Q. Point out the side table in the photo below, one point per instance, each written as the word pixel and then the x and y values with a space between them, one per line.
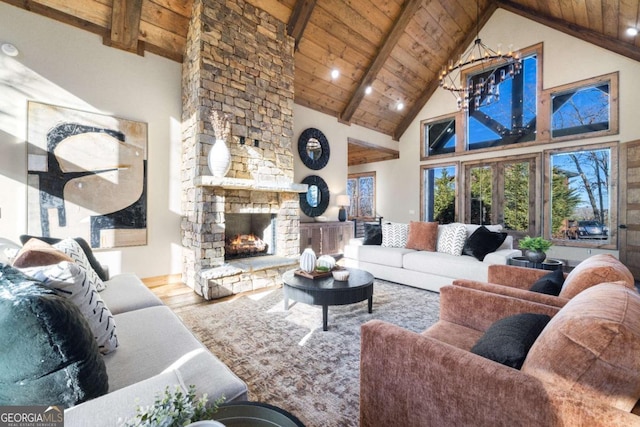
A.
pixel 548 264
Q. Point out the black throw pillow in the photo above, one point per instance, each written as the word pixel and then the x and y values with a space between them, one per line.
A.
pixel 372 234
pixel 482 242
pixel 508 340
pixel 550 284
pixel 49 355
pixel 95 264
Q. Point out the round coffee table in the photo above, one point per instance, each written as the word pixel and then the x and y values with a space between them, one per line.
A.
pixel 327 291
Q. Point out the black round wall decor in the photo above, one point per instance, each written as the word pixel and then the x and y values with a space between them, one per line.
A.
pixel 313 148
pixel 316 200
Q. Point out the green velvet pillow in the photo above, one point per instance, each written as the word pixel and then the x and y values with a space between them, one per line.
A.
pixel 49 355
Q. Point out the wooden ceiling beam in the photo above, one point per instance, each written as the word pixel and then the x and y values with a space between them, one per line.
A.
pixel 606 42
pixel 125 26
pixel 299 18
pixel 409 9
pixel 435 84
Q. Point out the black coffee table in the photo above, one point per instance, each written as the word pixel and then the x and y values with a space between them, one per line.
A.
pixel 326 291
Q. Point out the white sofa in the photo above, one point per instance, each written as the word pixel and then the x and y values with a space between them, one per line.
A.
pixel 156 350
pixel 424 269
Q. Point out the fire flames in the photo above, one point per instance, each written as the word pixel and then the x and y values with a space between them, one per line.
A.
pixel 248 244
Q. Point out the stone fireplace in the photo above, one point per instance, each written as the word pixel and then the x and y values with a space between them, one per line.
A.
pixel 238 60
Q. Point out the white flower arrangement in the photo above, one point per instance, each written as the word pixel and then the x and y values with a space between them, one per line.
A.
pixel 221 125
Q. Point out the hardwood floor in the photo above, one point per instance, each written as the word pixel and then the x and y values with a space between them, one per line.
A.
pixel 175 294
pixel 179 297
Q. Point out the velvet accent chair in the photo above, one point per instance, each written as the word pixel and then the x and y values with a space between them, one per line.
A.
pixel 517 281
pixel 582 370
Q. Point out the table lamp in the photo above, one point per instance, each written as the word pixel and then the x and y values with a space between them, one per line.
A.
pixel 343 201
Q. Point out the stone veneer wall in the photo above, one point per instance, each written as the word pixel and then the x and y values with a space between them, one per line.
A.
pixel 238 60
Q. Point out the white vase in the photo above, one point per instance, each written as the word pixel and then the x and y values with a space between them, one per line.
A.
pixel 308 260
pixel 219 159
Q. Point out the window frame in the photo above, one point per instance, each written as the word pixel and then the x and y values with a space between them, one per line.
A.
pixel 614 108
pixel 424 152
pixel 498 165
pixel 612 194
pixel 536 49
pixel 423 169
pixel 357 176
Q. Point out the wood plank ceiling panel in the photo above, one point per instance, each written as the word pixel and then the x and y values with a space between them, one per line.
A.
pixel 351 34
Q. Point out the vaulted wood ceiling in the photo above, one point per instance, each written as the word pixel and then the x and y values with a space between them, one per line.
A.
pixel 396 46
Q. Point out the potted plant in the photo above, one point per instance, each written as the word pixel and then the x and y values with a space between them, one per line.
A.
pixel 175 409
pixel 534 248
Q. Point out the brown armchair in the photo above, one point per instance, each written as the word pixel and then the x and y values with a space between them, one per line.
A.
pixel 432 379
pixel 516 281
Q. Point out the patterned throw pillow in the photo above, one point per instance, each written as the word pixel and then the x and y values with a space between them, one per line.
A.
pixel 394 235
pixel 75 252
pixel 451 239
pixel 69 280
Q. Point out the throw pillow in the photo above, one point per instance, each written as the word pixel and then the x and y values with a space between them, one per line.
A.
pixel 508 340
pixel 482 242
pixel 35 253
pixel 422 236
pixel 95 264
pixel 394 235
pixel 451 239
pixel 69 280
pixel 549 284
pixel 49 355
pixel 75 252
pixel 372 234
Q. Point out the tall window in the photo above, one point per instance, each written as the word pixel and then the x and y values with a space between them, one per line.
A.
pixel 439 194
pixel 361 189
pixel 501 191
pixel 511 117
pixel 581 205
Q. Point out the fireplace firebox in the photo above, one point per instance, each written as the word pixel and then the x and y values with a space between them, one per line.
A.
pixel 249 235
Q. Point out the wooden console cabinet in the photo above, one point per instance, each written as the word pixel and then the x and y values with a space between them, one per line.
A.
pixel 325 238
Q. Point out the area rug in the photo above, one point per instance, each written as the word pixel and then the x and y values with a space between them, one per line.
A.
pixel 286 358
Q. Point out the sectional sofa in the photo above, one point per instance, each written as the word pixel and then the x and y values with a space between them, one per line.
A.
pixel 426 269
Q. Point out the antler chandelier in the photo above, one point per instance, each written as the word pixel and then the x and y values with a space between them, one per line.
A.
pixel 502 66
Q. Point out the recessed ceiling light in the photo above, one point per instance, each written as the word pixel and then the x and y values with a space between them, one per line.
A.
pixel 400 106
pixel 368 90
pixel 631 31
pixel 9 49
pixel 335 73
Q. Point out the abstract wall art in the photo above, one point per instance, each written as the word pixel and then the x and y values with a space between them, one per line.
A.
pixel 87 176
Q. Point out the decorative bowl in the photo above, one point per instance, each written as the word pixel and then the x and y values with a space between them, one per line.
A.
pixel 340 275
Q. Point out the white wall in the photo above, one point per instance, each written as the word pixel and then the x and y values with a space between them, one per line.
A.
pixel 565 59
pixel 335 173
pixel 61 65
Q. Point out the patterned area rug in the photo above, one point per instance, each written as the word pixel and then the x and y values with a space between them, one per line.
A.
pixel 288 361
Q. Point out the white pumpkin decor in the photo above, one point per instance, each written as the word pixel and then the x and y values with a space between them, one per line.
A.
pixel 326 261
pixel 308 260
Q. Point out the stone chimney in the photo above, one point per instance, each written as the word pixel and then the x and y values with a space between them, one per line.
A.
pixel 239 61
